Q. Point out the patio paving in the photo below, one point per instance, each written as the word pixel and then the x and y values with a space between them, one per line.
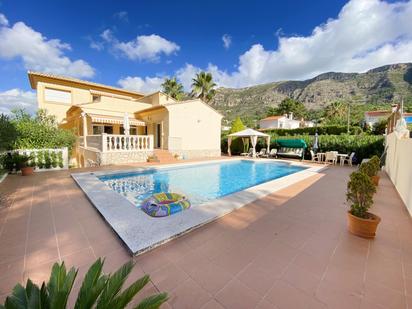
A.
pixel 290 249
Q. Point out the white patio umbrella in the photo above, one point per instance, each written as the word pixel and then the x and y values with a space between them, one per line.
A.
pixel 253 135
pixel 126 124
pixel 316 142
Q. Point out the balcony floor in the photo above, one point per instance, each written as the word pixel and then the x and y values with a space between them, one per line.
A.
pixel 290 249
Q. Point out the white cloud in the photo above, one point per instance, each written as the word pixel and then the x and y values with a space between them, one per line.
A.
pixel 145 85
pixel 144 47
pixel 3 20
pixel 366 34
pixel 122 15
pixel 39 53
pixel 17 98
pixel 227 41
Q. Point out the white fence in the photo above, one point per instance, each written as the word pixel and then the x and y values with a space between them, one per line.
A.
pixel 46 159
pixel 398 165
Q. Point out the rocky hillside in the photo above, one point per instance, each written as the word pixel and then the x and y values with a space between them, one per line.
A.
pixel 384 84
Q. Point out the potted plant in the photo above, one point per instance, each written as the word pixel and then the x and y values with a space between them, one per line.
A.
pixel 359 193
pixel 369 168
pixel 376 162
pixel 23 163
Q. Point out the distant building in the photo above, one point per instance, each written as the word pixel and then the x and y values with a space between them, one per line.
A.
pixel 373 117
pixel 283 122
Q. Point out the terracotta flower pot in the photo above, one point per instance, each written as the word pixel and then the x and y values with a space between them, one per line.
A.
pixel 365 228
pixel 375 180
pixel 27 171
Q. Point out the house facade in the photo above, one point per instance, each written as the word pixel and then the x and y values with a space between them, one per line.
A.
pixel 96 113
pixel 283 122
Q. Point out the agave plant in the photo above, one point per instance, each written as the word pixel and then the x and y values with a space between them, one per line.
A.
pixel 98 290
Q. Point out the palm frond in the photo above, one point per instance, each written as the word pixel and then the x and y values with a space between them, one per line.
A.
pixel 92 286
pixel 152 302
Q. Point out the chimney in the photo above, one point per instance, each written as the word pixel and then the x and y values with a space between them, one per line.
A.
pixel 291 116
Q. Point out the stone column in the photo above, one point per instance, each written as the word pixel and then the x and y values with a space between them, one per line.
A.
pixel 84 129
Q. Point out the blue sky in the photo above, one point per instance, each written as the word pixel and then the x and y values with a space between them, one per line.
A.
pixel 135 44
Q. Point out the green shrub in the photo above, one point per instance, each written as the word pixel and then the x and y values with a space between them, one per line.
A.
pixel 8 133
pixel 365 146
pixel 368 169
pixel 360 192
pixel 98 290
pixel 40 131
pixel 322 130
pixel 376 162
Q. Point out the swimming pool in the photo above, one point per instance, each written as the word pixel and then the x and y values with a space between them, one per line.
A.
pixel 200 183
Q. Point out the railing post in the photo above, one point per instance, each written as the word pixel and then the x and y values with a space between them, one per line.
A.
pixel 104 142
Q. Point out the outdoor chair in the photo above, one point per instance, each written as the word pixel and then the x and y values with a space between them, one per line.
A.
pixel 331 156
pixel 315 157
pixel 273 153
pixel 348 159
pixel 262 153
pixel 247 154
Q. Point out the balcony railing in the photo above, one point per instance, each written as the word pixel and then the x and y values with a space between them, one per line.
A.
pixel 114 142
pixel 118 142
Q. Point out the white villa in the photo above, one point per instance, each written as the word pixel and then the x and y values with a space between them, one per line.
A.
pixel 283 122
pixel 159 125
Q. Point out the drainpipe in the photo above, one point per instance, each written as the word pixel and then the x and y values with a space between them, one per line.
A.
pixel 84 129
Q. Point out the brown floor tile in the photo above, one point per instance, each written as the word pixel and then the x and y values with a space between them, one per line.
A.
pixel 302 279
pixel 211 277
pixel 237 295
pixel 212 304
pixel 188 295
pixel 168 277
pixel 382 296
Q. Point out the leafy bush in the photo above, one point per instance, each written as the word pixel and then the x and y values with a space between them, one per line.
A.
pixel 8 133
pixel 322 130
pixel 360 191
pixel 98 290
pixel 26 132
pixel 368 168
pixel 10 161
pixel 363 145
pixel 376 162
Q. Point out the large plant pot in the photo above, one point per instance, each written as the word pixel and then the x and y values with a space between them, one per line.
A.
pixel 365 228
pixel 375 180
pixel 27 171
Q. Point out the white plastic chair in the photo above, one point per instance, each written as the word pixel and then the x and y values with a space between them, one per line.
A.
pixel 262 153
pixel 348 159
pixel 315 157
pixel 273 152
pixel 331 156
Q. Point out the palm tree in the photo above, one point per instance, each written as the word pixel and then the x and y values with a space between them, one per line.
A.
pixel 203 86
pixel 173 88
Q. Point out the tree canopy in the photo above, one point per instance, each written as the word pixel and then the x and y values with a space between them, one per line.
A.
pixel 173 88
pixel 23 131
pixel 287 106
pixel 203 86
pixel 237 125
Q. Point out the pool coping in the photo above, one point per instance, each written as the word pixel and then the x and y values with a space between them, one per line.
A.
pixel 138 231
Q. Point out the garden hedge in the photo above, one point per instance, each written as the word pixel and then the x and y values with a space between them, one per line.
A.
pixel 365 146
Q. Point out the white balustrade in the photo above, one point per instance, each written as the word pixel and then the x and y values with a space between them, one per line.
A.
pixel 117 142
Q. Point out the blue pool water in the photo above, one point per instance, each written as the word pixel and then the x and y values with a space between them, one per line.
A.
pixel 200 183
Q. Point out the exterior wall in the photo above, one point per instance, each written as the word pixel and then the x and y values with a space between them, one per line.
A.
pixel 398 166
pixel 196 125
pixel 194 154
pixel 81 95
pixel 158 98
pixel 269 124
pixel 124 157
pixel 154 117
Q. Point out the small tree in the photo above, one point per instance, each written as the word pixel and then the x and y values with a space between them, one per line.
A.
pixel 173 88
pixel 237 143
pixel 360 191
pixel 380 126
pixel 376 163
pixel 368 168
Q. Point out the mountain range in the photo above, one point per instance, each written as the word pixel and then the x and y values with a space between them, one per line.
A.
pixel 385 84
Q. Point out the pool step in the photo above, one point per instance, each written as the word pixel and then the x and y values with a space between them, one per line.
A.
pixel 163 156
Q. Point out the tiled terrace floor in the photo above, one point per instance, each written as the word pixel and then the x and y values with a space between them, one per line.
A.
pixel 288 250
